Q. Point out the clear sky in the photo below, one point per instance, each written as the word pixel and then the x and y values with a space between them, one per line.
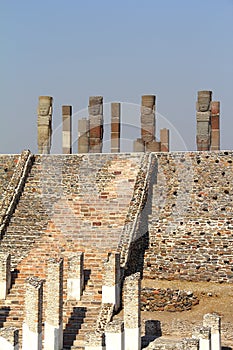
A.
pixel 119 49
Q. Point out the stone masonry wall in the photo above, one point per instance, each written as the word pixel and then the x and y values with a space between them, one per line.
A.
pixel 85 197
pixel 191 226
pixel 14 188
pixel 7 165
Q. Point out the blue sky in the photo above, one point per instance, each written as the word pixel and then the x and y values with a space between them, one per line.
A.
pixel 119 49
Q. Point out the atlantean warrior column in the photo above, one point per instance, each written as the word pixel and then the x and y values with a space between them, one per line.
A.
pixel 96 124
pixel 203 114
pixel 44 123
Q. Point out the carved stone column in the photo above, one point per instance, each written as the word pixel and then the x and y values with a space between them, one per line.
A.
pixel 83 135
pixel 203 114
pixel 44 124
pixel 96 124
pixel 66 129
pixel 115 126
pixel 215 126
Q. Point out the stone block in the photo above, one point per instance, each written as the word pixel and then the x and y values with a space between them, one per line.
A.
pixel 139 145
pixel 5 274
pixel 54 305
pixel 215 108
pixel 32 325
pixel 215 122
pixel 153 146
pixel 132 315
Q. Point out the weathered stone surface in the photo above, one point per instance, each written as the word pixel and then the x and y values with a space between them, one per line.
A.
pixel 83 135
pixel 153 146
pixel 96 124
pixel 191 224
pixel 215 126
pixel 115 126
pixel 148 118
pixel 167 300
pixel 139 145
pixel 164 139
pixel 66 129
pixel 203 116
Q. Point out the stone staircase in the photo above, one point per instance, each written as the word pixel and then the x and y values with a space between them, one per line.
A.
pixel 69 204
pixel 28 221
pixel 78 317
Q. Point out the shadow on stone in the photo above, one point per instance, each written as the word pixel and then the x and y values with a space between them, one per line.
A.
pixel 87 274
pixel 4 312
pixel 73 326
pixel 139 246
pixel 14 275
pixel 152 331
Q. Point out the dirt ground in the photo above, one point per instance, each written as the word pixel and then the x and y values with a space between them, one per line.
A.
pixel 213 297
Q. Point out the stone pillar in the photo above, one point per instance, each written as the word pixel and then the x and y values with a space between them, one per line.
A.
pixel 115 126
pixel 54 306
pixel 213 321
pixel 153 146
pixel 190 344
pixel 9 338
pixel 148 118
pixel 111 280
pixel 32 325
pixel 139 145
pixel 203 334
pixel 132 315
pixel 96 124
pixel 66 129
pixel 114 335
pixel 83 135
pixel 5 274
pixel 164 139
pixel 215 126
pixel 75 280
pixel 203 106
pixel 44 124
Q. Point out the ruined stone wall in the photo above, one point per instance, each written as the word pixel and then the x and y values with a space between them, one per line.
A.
pixel 191 226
